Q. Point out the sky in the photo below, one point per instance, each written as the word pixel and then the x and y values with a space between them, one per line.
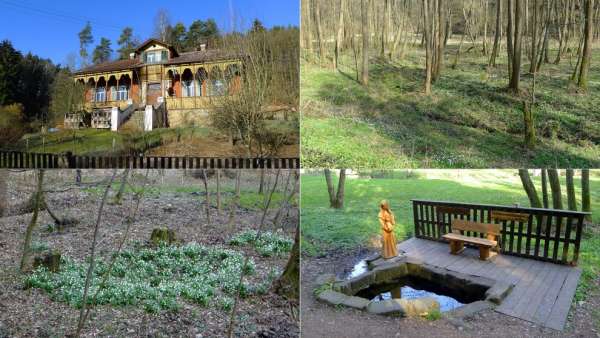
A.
pixel 49 28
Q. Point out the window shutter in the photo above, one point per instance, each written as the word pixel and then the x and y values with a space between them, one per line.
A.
pixel 164 56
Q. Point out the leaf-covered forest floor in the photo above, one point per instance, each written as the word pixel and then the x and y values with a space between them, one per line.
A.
pixel 469 121
pixel 172 199
pixel 333 241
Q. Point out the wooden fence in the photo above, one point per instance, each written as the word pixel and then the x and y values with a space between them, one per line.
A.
pixel 22 160
pixel 543 234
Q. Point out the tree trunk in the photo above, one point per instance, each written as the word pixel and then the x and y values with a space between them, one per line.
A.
pixel 207 200
pixel 582 82
pixel 534 27
pixel 119 195
pixel 534 199
pixel 218 191
pixel 90 270
pixel 262 181
pixel 585 193
pixel 428 47
pixel 516 63
pixel 320 37
pixel 288 284
pixel 308 24
pixel 439 45
pixel 510 36
pixel 571 200
pixel 236 200
pixel 33 222
pixel 553 177
pixel 330 187
pixel 339 36
pixel 364 9
pixel 339 199
pixel 497 34
pixel 545 188
pixel 529 125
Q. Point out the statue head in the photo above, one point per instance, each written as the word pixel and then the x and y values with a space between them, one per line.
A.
pixel 384 205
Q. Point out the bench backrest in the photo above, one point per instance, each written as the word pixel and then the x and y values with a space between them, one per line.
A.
pixel 490 229
pixel 509 216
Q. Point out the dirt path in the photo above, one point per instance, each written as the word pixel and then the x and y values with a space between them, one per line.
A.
pixel 30 313
pixel 320 320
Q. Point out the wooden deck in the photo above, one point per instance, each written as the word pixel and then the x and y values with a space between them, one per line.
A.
pixel 543 291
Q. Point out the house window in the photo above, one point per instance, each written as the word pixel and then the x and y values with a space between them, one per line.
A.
pixel 100 94
pixel 150 57
pixel 122 93
pixel 188 88
pixel 217 87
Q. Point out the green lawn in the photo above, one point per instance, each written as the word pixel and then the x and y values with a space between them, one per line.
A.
pixel 91 142
pixel 470 121
pixel 325 229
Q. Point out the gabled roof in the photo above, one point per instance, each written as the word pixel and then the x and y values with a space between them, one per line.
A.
pixel 110 66
pixel 153 41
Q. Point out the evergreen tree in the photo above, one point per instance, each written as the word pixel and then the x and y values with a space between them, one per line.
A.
pixel 126 43
pixel 257 26
pixel 85 39
pixel 102 51
pixel 10 62
pixel 177 36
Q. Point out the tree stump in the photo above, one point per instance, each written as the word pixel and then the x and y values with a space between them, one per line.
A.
pixel 49 260
pixel 162 235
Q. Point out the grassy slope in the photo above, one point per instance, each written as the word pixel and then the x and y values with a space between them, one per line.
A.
pixel 326 229
pixel 100 141
pixel 469 121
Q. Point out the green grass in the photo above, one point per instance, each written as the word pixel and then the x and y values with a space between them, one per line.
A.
pixel 470 121
pixel 155 279
pixel 91 142
pixel 327 230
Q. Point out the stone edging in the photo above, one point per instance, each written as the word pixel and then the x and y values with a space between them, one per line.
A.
pixel 342 292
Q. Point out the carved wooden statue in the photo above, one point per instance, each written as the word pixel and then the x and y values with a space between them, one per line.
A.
pixel 386 218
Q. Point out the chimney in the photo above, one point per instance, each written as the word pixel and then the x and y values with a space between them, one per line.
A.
pixel 132 56
pixel 203 46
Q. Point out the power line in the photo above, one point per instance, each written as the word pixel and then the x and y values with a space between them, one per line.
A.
pixel 59 16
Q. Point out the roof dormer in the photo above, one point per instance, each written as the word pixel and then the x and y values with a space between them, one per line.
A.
pixel 154 51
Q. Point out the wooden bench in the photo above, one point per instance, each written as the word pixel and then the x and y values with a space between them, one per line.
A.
pixel 457 240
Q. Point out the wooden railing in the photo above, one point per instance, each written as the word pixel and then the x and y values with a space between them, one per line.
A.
pixel 21 160
pixel 543 234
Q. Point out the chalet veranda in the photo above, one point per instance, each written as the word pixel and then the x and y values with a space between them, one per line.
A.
pixel 156 87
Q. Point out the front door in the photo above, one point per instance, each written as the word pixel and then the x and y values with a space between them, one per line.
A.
pixel 152 93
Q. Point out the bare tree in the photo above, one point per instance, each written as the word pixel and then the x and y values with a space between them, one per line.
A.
pixel 364 10
pixel 585 193
pixel 582 81
pixel 207 199
pixel 92 258
pixel 336 199
pixel 515 74
pixel 571 200
pixel 162 21
pixel 38 197
pixel 267 204
pixel 534 199
pixel 340 35
pixel 236 200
